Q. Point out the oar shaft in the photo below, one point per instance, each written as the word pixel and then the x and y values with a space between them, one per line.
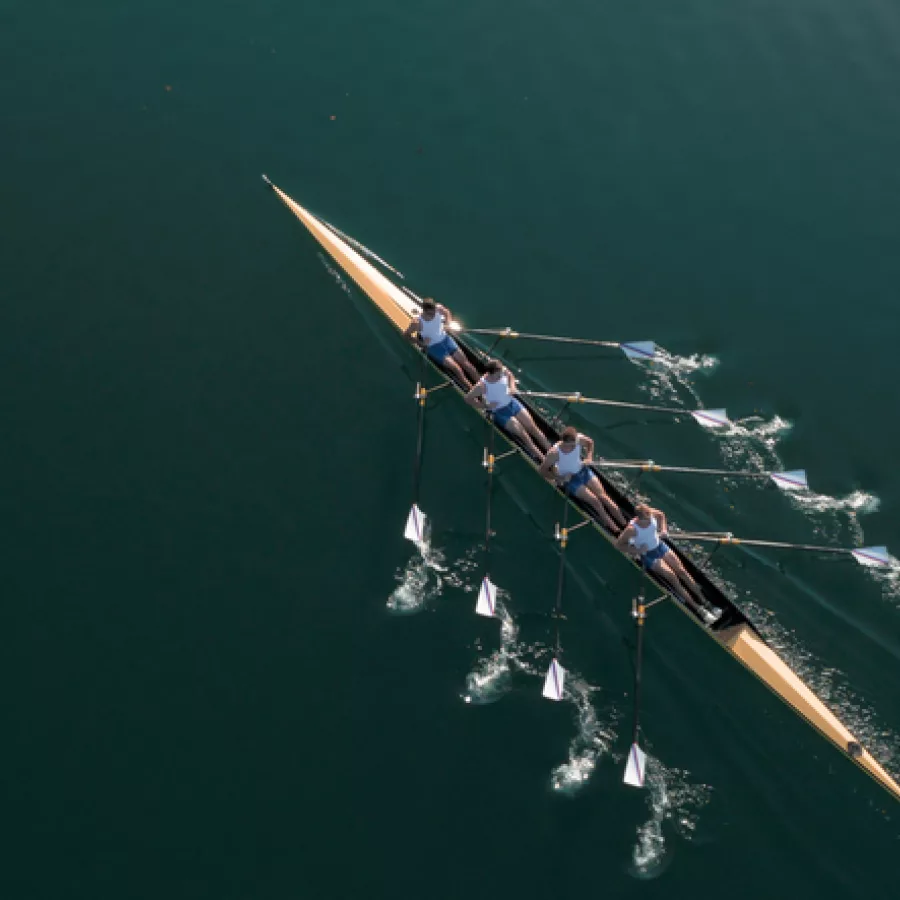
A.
pixel 577 398
pixel 640 618
pixel 558 339
pixel 730 540
pixel 561 577
pixel 650 466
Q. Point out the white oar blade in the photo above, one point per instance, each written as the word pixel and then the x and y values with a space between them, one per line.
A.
pixel 639 350
pixel 711 418
pixel 636 767
pixel 487 598
pixel 872 556
pixel 555 682
pixel 415 525
pixel 791 481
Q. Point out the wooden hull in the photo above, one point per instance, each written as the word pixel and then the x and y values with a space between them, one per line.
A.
pixel 733 632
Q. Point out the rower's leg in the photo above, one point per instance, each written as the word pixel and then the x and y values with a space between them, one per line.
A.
pixel 667 575
pixel 456 371
pixel 529 424
pixel 676 565
pixel 515 428
pixel 595 486
pixel 594 503
pixel 463 361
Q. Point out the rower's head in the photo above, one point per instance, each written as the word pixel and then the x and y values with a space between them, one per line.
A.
pixel 493 367
pixel 569 435
pixel 642 512
pixel 429 308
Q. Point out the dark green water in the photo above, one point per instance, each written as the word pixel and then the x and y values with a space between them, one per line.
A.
pixel 207 448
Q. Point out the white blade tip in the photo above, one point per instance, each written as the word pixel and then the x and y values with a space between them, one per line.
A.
pixel 791 481
pixel 415 525
pixel 636 767
pixel 872 556
pixel 711 418
pixel 487 598
pixel 555 682
pixel 639 349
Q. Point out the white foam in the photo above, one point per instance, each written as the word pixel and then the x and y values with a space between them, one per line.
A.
pixel 421 581
pixel 673 800
pixel 593 739
pixel 491 676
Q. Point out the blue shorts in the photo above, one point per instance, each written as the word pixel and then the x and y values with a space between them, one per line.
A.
pixel 578 480
pixel 505 413
pixel 442 349
pixel 651 556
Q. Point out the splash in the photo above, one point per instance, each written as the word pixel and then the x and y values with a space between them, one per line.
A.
pixel 672 799
pixel 593 739
pixel 669 375
pixel 420 582
pixel 491 677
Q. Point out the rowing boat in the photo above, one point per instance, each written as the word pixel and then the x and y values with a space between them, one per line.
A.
pixel 733 631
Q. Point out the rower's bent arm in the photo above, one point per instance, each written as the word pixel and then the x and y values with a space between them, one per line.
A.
pixel 549 462
pixel 623 539
pixel 475 394
pixel 443 311
pixel 412 330
pixel 588 444
pixel 513 386
pixel 661 520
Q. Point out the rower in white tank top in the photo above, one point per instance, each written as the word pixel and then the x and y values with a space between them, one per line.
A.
pixel 569 462
pixel 496 393
pixel 646 537
pixel 432 330
pixel 567 465
pixel 429 331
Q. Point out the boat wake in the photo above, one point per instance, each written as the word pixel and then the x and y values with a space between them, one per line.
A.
pixel 672 799
pixel 593 739
pixel 831 685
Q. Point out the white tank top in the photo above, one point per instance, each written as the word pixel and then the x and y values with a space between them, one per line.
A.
pixel 569 463
pixel 432 330
pixel 497 392
pixel 646 539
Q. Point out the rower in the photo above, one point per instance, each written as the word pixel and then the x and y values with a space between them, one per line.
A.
pixel 494 392
pixel 429 329
pixel 568 463
pixel 645 538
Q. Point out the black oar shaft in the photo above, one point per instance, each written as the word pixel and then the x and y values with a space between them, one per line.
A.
pixel 640 617
pixel 490 490
pixel 421 400
pixel 561 576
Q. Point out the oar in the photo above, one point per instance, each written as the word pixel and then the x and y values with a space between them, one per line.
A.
pixel 794 480
pixel 645 350
pixel 486 605
pixel 708 418
pixel 636 765
pixel 554 682
pixel 415 522
pixel 865 556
